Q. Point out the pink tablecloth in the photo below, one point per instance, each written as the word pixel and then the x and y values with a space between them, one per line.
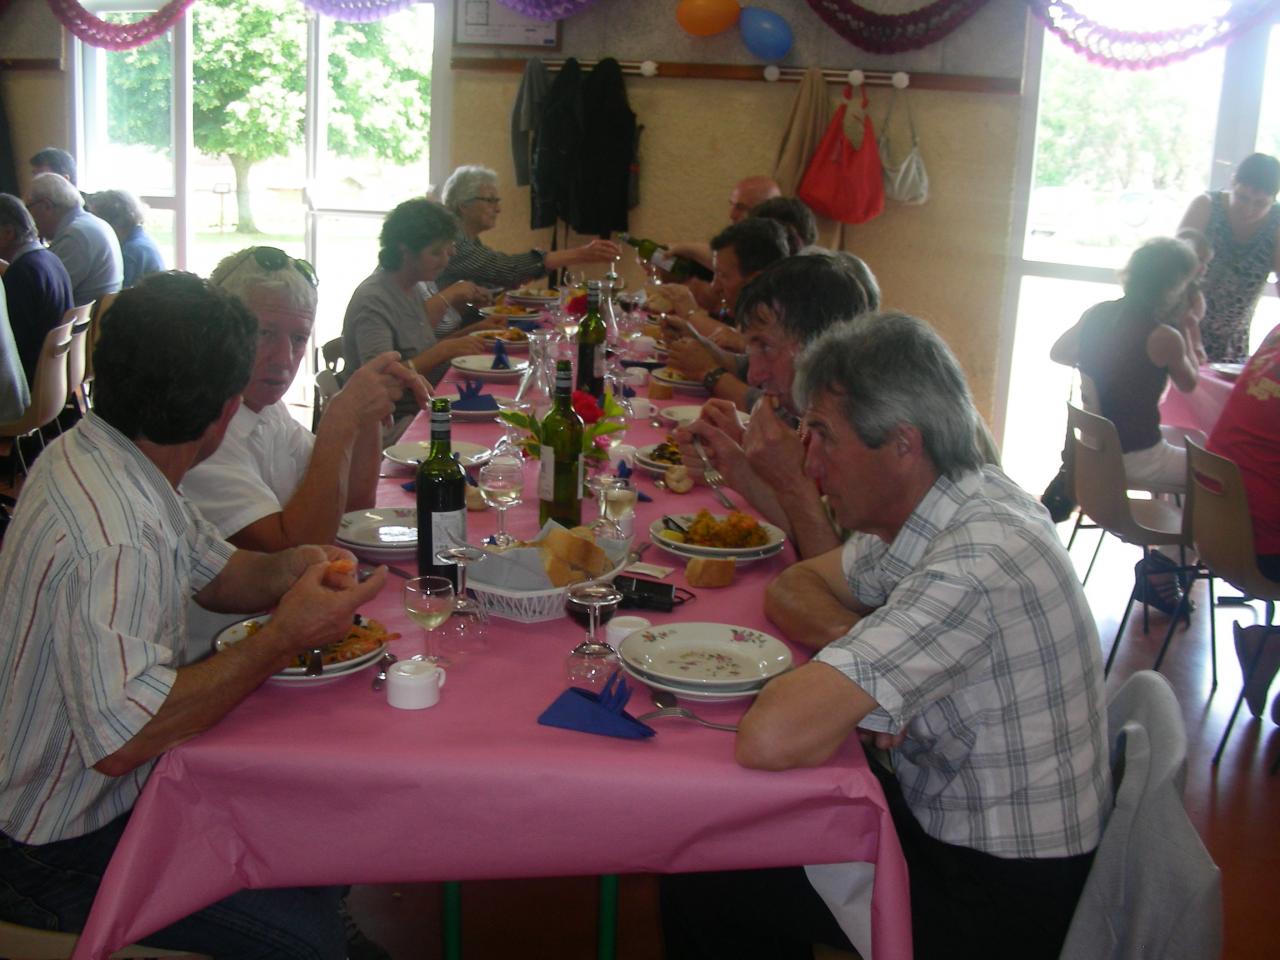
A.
pixel 329 784
pixel 1199 409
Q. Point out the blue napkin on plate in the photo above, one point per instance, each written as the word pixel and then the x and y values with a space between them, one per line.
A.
pixel 500 360
pixel 625 473
pixel 601 713
pixel 471 396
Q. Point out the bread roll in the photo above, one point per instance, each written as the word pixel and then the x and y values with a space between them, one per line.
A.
pixel 660 391
pixel 568 556
pixel 709 572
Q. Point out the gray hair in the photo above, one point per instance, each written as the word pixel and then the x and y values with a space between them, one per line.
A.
pixel 120 208
pixel 891 369
pixel 14 213
pixel 242 276
pixel 465 184
pixel 57 190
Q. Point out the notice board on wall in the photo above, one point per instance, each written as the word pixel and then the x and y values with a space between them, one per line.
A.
pixel 488 23
pixel 30 35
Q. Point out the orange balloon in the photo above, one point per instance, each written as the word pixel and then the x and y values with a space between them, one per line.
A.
pixel 702 18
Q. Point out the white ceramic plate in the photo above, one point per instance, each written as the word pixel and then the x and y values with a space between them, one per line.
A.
pixel 710 656
pixel 386 528
pixel 513 346
pixel 473 416
pixel 774 543
pixel 523 314
pixel 703 696
pixel 676 381
pixel 644 459
pixel 480 366
pixel 238 631
pixel 412 452
pixel 533 300
pixel 1228 371
pixel 681 414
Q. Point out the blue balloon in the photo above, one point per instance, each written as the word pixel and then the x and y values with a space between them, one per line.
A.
pixel 765 33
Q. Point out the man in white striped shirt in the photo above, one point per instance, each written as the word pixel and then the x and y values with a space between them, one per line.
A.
pixel 99 677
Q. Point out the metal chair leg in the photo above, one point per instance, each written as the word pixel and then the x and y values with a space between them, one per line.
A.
pixel 1248 675
pixel 1115 644
pixel 1183 604
pixel 1094 559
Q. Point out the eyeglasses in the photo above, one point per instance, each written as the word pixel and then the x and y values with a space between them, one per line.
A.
pixel 272 259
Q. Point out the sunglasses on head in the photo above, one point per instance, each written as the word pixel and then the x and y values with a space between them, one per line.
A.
pixel 272 259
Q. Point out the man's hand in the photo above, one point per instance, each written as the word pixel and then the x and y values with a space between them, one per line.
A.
pixel 723 415
pixel 314 613
pixel 727 338
pixel 462 346
pixel 371 394
pixel 725 455
pixel 464 293
pixel 597 251
pixel 691 358
pixel 773 449
pixel 679 298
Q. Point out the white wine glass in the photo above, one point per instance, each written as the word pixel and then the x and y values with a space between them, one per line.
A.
pixel 604 526
pixel 502 486
pixel 429 603
pixel 591 603
pixel 468 633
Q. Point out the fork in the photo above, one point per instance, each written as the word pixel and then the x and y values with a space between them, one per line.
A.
pixel 713 476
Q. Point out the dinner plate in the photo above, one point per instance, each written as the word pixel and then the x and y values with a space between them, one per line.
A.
pixel 684 693
pixel 386 528
pixel 533 300
pixel 508 314
pixel 1228 371
pixel 480 365
pixel 721 657
pixel 238 631
pixel 413 452
pixel 644 458
pixel 774 543
pixel 676 381
pixel 490 337
pixel 473 416
pixel 682 413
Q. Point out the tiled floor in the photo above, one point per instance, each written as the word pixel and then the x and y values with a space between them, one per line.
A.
pixel 1236 809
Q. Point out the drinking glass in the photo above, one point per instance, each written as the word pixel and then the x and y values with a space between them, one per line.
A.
pixel 468 631
pixel 591 603
pixel 601 483
pixel 429 603
pixel 502 486
pixel 508 445
pixel 620 504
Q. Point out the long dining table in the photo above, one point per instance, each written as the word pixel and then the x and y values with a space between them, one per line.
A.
pixel 327 784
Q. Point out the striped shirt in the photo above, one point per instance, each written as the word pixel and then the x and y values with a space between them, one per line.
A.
pixel 97 568
pixel 473 261
pixel 983 647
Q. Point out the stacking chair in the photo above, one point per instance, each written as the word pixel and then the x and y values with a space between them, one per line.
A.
pixel 100 308
pixel 28 943
pixel 77 355
pixel 1153 889
pixel 326 389
pixel 48 390
pixel 1097 476
pixel 332 354
pixel 1222 531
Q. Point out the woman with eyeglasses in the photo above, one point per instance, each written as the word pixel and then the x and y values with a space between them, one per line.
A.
pixel 390 308
pixel 271 484
pixel 471 193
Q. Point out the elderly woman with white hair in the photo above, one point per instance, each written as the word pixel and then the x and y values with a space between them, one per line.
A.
pixel 271 484
pixel 126 214
pixel 471 192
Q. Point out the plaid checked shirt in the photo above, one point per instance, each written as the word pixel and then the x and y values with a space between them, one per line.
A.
pixel 982 645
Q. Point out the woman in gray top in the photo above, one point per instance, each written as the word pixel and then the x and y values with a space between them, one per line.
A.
pixel 388 309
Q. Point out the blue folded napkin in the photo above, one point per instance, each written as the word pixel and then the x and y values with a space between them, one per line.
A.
pixel 500 360
pixel 601 713
pixel 625 472
pixel 471 396
pixel 628 392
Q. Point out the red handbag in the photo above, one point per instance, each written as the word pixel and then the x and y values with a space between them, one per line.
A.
pixel 844 182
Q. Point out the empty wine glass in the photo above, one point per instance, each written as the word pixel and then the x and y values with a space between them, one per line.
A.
pixel 508 445
pixel 502 486
pixel 591 603
pixel 429 603
pixel 469 618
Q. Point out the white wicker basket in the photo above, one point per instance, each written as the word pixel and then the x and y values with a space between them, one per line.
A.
pixel 527 606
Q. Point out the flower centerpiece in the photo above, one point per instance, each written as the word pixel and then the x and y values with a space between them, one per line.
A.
pixel 599 421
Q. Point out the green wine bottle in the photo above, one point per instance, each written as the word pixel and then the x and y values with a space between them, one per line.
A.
pixel 560 470
pixel 676 267
pixel 442 502
pixel 592 335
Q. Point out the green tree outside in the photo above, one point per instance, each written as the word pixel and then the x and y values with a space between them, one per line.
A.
pixel 249 76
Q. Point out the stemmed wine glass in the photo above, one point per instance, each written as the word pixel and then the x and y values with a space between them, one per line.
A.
pixel 429 603
pixel 591 603
pixel 502 486
pixel 604 525
pixel 508 446
pixel 469 616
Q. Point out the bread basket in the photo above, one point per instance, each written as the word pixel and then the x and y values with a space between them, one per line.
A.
pixel 528 606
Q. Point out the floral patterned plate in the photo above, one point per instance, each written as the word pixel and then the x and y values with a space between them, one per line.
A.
pixel 702 695
pixel 705 655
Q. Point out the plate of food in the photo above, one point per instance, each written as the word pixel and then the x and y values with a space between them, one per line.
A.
pixel 364 643
pixel 480 366
pixel 412 452
pixel 532 297
pixel 738 536
pixel 676 380
pixel 509 312
pixel 657 457
pixel 513 338
pixel 705 655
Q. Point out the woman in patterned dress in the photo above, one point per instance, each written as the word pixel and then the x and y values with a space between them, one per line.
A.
pixel 1243 226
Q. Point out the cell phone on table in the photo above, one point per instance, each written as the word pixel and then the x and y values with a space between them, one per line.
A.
pixel 641 594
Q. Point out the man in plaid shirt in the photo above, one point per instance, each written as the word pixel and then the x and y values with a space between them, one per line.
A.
pixel 951 630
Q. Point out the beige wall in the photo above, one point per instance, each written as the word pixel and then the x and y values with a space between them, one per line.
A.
pixel 944 261
pixel 35 100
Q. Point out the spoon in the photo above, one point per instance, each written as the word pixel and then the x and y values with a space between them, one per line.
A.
pixel 384 665
pixel 667 707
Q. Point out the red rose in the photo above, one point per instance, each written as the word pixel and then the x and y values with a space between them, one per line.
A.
pixel 586 406
pixel 577 306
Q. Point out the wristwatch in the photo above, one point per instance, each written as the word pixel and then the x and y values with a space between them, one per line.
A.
pixel 712 378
